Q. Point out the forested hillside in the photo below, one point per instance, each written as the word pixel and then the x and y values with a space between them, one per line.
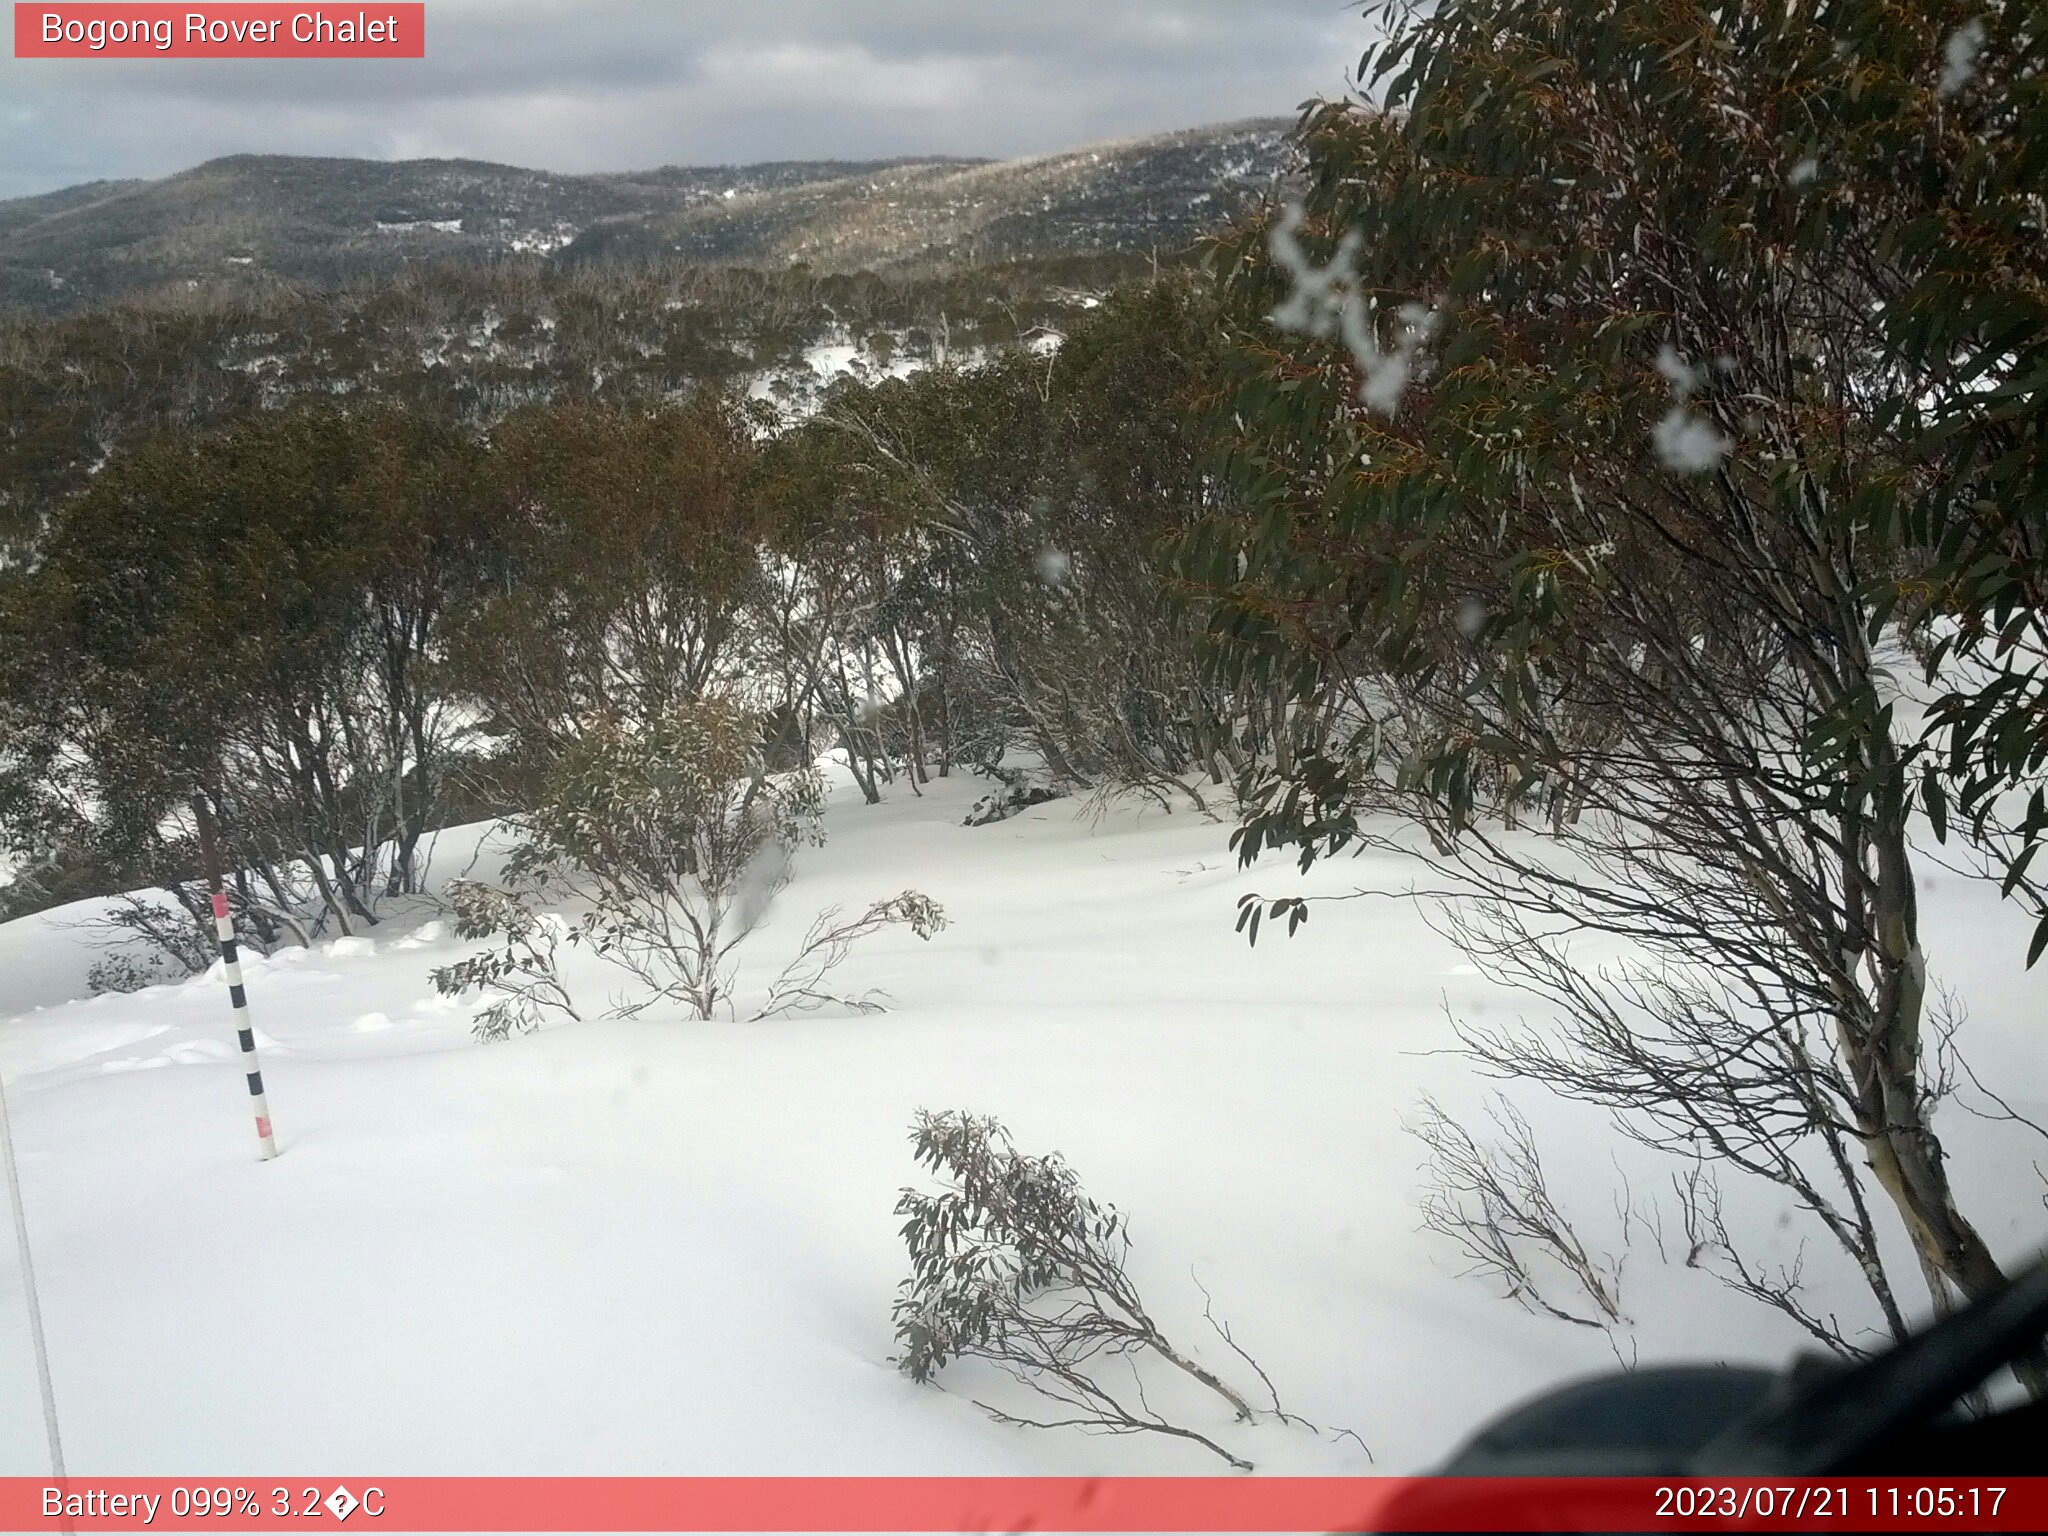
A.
pixel 251 227
pixel 470 344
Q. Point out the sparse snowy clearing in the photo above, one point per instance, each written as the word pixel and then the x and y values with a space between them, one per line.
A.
pixel 799 385
pixel 662 1247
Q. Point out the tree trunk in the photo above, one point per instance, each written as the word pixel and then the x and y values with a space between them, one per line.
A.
pixel 1905 1154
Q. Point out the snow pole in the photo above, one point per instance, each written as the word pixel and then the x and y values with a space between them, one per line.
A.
pixel 28 1291
pixel 231 963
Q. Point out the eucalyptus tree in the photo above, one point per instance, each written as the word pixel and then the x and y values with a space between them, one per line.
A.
pixel 252 616
pixel 1580 455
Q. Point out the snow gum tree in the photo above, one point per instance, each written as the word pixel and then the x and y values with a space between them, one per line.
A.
pixel 979 546
pixel 677 840
pixel 251 616
pixel 1583 436
pixel 1973 313
pixel 626 567
pixel 674 840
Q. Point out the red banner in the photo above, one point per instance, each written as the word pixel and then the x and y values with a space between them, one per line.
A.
pixel 1111 1504
pixel 216 31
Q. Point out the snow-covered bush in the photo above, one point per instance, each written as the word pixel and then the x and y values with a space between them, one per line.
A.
pixel 150 941
pixel 131 971
pixel 673 839
pixel 801 986
pixel 1021 790
pixel 519 968
pixel 1014 1263
pixel 1493 1200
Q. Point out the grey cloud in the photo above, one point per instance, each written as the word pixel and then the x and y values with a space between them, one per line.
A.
pixel 584 85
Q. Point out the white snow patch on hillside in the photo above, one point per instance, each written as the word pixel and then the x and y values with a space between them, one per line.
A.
pixel 798 388
pixel 664 1247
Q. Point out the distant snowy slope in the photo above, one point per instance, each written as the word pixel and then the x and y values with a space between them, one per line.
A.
pixel 251 225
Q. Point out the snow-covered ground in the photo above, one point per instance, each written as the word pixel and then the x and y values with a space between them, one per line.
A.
pixel 668 1247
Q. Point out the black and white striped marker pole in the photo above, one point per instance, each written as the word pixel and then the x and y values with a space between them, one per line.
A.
pixel 239 997
pixel 231 959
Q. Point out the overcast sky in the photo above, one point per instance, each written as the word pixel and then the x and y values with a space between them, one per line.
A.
pixel 589 85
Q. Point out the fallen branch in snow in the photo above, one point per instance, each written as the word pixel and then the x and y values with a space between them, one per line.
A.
pixel 1102 1414
pixel 1494 1201
pixel 1272 1393
pixel 1223 1332
pixel 1782 1288
pixel 1016 1265
pixel 800 987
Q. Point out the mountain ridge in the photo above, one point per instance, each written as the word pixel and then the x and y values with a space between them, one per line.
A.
pixel 245 224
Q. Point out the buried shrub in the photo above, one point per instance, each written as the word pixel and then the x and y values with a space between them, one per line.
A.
pixel 150 942
pixel 1014 1263
pixel 674 841
pixel 801 986
pixel 519 969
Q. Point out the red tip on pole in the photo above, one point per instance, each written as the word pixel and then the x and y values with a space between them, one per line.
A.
pixel 220 903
